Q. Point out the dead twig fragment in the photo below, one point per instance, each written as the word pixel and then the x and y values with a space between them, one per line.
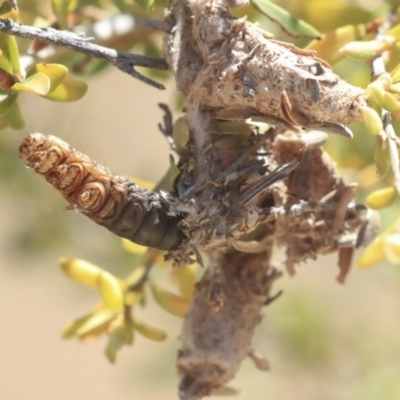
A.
pixel 125 62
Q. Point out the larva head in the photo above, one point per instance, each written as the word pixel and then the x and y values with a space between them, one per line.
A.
pixel 42 152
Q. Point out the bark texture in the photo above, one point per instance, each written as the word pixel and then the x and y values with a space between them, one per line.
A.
pixel 226 69
pixel 224 63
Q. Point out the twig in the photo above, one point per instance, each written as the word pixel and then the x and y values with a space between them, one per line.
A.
pixel 126 62
pixel 167 128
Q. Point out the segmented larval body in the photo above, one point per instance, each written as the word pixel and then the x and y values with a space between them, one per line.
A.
pixel 108 199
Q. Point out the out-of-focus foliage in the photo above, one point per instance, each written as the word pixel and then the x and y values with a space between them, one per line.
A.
pixel 42 70
pixel 288 22
pixel 114 316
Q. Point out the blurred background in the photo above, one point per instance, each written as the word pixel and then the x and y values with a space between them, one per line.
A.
pixel 324 341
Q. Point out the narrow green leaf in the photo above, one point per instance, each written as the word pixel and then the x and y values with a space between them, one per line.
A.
pixel 288 22
pixel 382 157
pixel 81 271
pixel 133 248
pixel 149 331
pixel 95 321
pixel 181 136
pixel 70 89
pixel 111 353
pixel 381 198
pixel 9 60
pixel 71 329
pixel 372 120
pixel 395 74
pixel 394 32
pixel 169 301
pixel 37 84
pixel 229 127
pixel 111 291
pixel 363 51
pixel 60 10
pixel 328 48
pixel 120 334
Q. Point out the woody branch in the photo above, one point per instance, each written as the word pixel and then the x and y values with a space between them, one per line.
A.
pixel 126 62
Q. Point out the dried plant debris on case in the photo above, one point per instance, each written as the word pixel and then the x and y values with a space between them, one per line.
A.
pixel 222 64
pixel 309 211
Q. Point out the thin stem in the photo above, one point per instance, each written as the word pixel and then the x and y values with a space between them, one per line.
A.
pixel 125 62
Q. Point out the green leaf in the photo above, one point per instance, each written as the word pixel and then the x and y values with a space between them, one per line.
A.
pixel 168 180
pixel 71 329
pixel 394 32
pixel 382 157
pixel 12 118
pixel 181 136
pixel 61 8
pixel 111 291
pixel 362 51
pixel 377 93
pixel 94 322
pixel 381 198
pixel 374 252
pixel 169 301
pixel 289 23
pixel 81 271
pixel 147 5
pixel 111 353
pixel 37 84
pixel 148 331
pixel 328 47
pixel 372 121
pixel 121 333
pixel 6 101
pixel 70 89
pixel 395 74
pixel 5 8
pixel 229 127
pixel 133 248
pixel 9 60
pixel 55 72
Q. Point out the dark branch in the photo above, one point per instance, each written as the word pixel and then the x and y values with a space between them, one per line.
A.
pixel 126 62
